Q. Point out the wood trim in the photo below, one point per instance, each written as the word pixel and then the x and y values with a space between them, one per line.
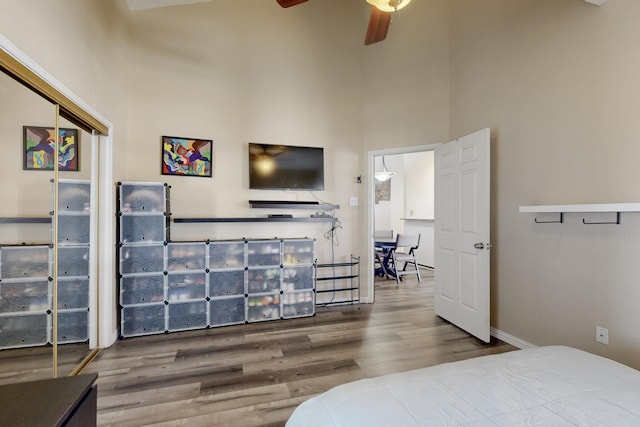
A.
pixel 68 108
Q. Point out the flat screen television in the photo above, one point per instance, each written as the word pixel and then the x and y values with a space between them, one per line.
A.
pixel 285 167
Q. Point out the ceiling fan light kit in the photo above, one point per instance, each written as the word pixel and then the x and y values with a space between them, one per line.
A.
pixel 379 19
pixel 389 5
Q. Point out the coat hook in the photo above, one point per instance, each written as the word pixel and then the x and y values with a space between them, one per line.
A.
pixel 551 222
pixel 617 221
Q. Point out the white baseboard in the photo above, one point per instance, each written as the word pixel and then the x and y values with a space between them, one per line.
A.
pixel 510 339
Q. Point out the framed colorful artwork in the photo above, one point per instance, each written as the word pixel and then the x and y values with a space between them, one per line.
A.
pixel 187 156
pixel 38 148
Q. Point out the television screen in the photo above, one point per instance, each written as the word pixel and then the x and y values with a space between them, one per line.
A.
pixel 285 167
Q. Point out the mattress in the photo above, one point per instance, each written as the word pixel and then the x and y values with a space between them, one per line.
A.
pixel 542 386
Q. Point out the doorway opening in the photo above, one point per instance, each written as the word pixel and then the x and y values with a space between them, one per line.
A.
pixel 404 203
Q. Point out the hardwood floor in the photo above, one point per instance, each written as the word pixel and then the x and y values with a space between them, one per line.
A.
pixel 36 363
pixel 256 374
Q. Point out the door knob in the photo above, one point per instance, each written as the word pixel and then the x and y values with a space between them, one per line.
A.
pixel 479 245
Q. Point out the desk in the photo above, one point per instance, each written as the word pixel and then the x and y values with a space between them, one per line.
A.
pixel 65 401
pixel 386 247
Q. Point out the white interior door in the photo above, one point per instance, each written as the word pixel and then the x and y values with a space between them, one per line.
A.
pixel 462 217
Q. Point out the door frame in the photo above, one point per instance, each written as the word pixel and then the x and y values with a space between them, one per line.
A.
pixel 371 189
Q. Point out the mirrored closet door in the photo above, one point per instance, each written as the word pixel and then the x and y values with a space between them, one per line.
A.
pixel 48 232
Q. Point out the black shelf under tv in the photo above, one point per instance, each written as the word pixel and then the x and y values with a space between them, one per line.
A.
pixel 266 204
pixel 254 219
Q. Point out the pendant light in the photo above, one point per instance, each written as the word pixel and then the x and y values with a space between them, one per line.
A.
pixel 389 5
pixel 385 174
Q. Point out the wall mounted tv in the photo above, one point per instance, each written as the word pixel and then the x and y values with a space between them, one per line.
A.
pixel 285 167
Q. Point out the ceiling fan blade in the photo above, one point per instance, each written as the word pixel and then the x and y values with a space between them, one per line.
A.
pixel 289 3
pixel 378 26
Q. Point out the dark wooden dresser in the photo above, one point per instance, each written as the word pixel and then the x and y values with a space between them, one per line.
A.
pixel 66 401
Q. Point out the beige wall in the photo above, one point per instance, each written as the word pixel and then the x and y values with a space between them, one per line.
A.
pixel 236 72
pixel 556 80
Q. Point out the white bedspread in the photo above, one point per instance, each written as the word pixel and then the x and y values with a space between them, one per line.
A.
pixel 542 386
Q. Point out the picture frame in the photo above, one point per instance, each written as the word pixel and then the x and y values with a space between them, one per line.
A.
pixel 38 143
pixel 383 191
pixel 187 156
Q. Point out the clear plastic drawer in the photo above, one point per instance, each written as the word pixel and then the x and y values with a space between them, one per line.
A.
pixel 26 330
pixel 227 311
pixel 264 307
pixel 298 304
pixel 24 261
pixel 188 286
pixel 141 259
pixel 296 252
pixel 73 326
pixel 143 228
pixel 24 296
pixel 226 255
pixel 226 283
pixel 297 278
pixel 73 196
pixel 143 320
pixel 73 293
pixel 265 252
pixel 142 289
pixel 261 280
pixel 73 229
pixel 186 256
pixel 73 261
pixel 187 315
pixel 142 197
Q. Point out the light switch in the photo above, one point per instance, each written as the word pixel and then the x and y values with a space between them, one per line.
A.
pixel 353 201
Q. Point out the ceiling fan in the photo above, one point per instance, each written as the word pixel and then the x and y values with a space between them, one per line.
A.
pixel 379 19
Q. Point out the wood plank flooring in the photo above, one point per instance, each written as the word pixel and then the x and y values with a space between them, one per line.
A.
pixel 36 363
pixel 255 375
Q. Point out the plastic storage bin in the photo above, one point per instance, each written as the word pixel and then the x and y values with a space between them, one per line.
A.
pixel 226 283
pixel 143 320
pixel 143 228
pixel 227 255
pixel 296 252
pixel 142 289
pixel 73 195
pixel 187 315
pixel 298 304
pixel 189 286
pixel 297 278
pixel 21 296
pixel 73 229
pixel 261 280
pixel 18 262
pixel 263 307
pixel 263 252
pixel 186 256
pixel 73 293
pixel 73 326
pixel 227 311
pixel 25 330
pixel 141 259
pixel 142 197
pixel 73 261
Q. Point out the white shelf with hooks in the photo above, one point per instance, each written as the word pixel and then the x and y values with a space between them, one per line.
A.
pixel 596 207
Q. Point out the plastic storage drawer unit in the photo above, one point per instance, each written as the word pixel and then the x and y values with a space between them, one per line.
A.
pixel 143 320
pixel 227 311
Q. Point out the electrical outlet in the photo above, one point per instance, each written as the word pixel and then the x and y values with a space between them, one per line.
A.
pixel 353 201
pixel 602 335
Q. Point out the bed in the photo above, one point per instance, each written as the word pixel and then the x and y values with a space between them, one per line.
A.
pixel 542 386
